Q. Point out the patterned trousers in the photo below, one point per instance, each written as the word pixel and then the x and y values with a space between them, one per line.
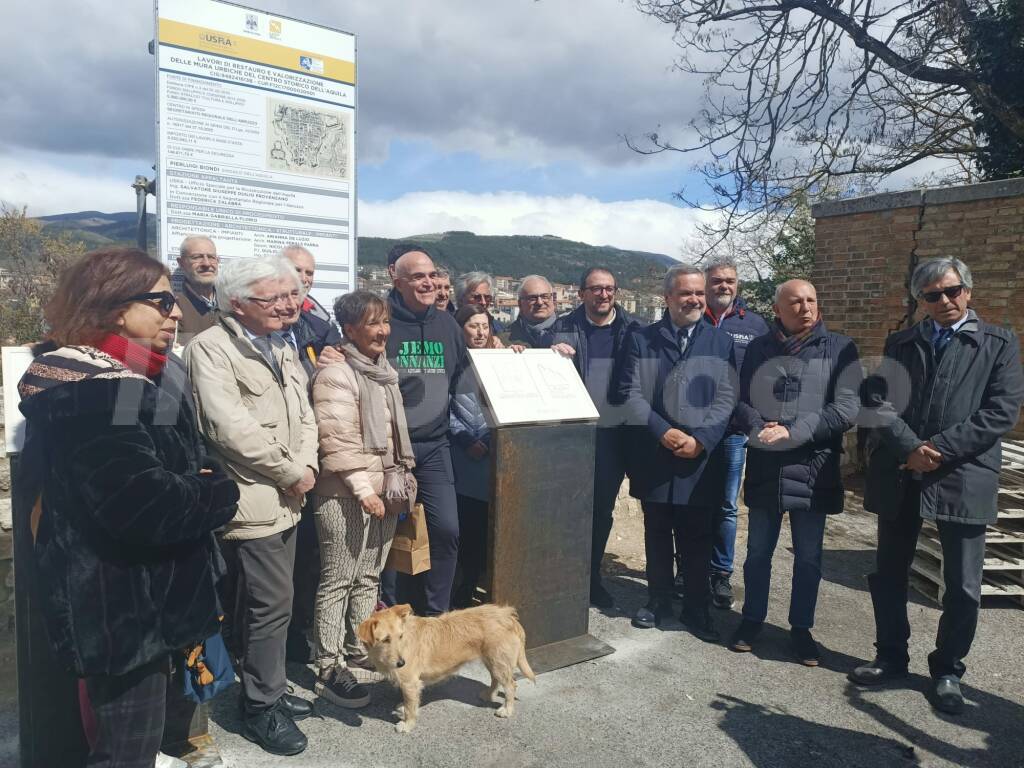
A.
pixel 353 549
pixel 129 712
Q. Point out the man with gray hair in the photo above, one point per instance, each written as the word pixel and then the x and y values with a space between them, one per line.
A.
pixel 536 312
pixel 477 288
pixel 727 310
pixel 948 389
pixel 677 385
pixel 253 409
pixel 197 297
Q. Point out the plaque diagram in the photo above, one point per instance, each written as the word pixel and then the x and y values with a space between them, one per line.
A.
pixel 313 142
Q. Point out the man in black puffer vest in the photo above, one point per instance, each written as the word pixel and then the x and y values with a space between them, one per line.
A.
pixel 798 395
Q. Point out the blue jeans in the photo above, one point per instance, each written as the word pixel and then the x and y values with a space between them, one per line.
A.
pixel 735 447
pixel 808 529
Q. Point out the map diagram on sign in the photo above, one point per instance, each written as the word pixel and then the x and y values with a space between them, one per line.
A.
pixel 310 141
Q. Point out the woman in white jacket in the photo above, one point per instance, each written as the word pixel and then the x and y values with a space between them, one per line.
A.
pixel 365 457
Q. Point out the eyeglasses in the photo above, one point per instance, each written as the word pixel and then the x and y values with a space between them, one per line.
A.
pixel 164 301
pixel 599 289
pixel 950 293
pixel 272 301
pixel 196 257
pixel 479 298
pixel 539 298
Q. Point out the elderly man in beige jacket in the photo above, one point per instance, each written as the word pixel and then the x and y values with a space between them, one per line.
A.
pixel 254 411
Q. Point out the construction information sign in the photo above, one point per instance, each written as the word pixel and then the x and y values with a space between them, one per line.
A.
pixel 256 135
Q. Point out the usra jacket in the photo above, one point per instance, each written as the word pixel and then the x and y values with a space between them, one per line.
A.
pixel 125 558
pixel 740 322
pixel 662 387
pixel 814 394
pixel 963 403
pixel 257 421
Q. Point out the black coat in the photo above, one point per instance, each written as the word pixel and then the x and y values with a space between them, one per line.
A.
pixel 693 391
pixel 571 329
pixel 973 400
pixel 520 332
pixel 126 560
pixel 312 334
pixel 814 394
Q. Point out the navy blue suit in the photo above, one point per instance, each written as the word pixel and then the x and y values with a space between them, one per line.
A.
pixel 664 387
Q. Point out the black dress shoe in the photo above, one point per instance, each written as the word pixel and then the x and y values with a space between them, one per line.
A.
pixel 948 696
pixel 743 640
pixel 274 731
pixel 297 708
pixel 700 624
pixel 601 597
pixel 877 672
pixel 650 615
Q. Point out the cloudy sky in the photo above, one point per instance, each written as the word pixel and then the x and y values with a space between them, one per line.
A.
pixel 500 118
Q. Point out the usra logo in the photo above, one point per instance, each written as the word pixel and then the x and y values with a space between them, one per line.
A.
pixel 212 39
pixel 275 29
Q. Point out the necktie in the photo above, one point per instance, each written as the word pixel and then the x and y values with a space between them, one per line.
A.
pixel 266 347
pixel 684 339
pixel 942 341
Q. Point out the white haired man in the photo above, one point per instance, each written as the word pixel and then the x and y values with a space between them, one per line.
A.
pixel 254 412
pixel 536 312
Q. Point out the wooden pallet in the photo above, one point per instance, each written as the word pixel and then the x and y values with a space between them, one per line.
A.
pixel 1003 571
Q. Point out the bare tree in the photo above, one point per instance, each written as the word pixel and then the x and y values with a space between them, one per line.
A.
pixel 804 96
pixel 31 260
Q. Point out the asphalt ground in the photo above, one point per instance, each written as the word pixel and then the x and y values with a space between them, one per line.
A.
pixel 665 698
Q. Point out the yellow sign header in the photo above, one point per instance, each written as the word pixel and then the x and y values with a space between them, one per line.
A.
pixel 258 51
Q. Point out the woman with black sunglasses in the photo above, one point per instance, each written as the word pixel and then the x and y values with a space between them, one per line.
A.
pixel 127 501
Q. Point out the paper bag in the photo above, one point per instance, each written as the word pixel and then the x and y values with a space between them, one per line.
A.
pixel 410 549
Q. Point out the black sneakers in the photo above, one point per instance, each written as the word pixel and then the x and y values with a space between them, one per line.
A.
pixel 721 591
pixel 339 686
pixel 651 615
pixel 804 647
pixel 274 730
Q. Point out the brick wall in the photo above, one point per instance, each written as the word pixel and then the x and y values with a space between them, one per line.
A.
pixel 865 248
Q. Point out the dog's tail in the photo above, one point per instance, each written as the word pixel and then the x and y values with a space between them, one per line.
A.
pixel 521 662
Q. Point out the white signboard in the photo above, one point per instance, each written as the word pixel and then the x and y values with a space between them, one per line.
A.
pixel 256 136
pixel 537 385
pixel 15 361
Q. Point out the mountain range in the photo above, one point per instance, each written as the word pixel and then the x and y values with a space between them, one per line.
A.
pixel 559 259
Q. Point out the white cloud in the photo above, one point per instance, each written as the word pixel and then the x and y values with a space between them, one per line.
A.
pixel 48 188
pixel 643 225
pixel 535 82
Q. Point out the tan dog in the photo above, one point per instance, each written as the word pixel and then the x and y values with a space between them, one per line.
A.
pixel 414 651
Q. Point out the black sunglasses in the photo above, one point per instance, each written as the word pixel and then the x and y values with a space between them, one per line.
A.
pixel 950 293
pixel 165 300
